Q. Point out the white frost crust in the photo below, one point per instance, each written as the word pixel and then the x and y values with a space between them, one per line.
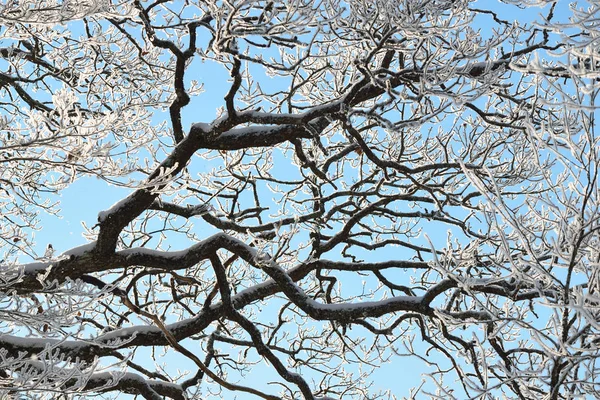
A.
pixel 35 267
pixel 79 250
pixel 102 215
pixel 143 251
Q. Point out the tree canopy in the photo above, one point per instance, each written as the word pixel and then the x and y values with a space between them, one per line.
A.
pixel 315 188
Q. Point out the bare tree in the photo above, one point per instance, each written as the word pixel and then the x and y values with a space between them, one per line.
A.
pixel 379 179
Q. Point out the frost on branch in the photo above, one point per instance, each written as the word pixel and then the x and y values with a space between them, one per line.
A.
pixel 317 191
